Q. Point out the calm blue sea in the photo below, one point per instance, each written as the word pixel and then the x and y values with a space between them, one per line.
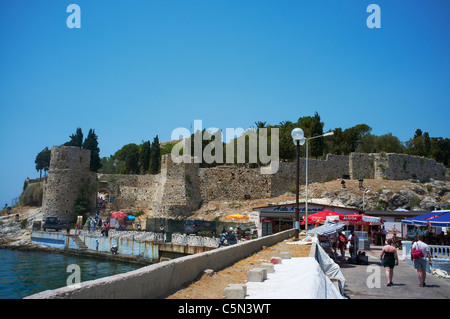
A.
pixel 26 273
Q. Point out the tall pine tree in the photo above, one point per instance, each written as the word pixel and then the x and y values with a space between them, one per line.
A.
pixel 317 145
pixel 91 143
pixel 155 156
pixel 144 157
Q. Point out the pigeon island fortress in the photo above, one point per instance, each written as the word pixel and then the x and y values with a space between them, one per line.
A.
pixel 180 189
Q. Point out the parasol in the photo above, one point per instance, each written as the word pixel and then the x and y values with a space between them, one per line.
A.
pixel 118 215
pixel 360 219
pixel 237 216
pixel 321 217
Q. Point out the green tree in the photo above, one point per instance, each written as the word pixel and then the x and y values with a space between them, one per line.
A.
pixel 343 142
pixel 91 143
pixel 144 157
pixel 84 201
pixel 155 156
pixel 440 150
pixel 76 139
pixel 287 149
pixel 42 161
pixel 260 124
pixel 317 145
pixel 129 154
pixel 390 144
pixel 368 144
pixel 416 145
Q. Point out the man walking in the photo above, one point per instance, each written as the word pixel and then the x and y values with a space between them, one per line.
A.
pixel 420 264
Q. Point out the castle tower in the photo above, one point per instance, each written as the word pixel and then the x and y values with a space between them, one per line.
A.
pixel 69 169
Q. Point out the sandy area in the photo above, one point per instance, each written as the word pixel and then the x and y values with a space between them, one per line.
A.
pixel 213 286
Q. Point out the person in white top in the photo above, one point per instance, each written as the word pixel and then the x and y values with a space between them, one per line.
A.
pixel 420 264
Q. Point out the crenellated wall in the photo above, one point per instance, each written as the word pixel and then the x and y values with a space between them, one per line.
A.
pixel 181 188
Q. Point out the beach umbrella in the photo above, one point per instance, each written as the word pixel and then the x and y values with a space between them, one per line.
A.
pixel 237 216
pixel 118 215
pixel 326 230
pixel 360 219
pixel 130 217
pixel 321 217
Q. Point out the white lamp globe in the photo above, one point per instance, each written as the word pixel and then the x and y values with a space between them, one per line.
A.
pixel 297 136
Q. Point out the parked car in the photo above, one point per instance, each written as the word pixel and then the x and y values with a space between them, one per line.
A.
pixel 194 226
pixel 51 223
pixel 64 224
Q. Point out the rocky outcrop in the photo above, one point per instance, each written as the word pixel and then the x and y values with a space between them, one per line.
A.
pixel 408 195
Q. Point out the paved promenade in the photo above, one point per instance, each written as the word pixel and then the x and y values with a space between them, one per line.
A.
pixel 362 281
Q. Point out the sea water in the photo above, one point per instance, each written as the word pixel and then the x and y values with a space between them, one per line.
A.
pixel 24 273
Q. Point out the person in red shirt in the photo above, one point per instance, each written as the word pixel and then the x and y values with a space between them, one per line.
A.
pixel 342 243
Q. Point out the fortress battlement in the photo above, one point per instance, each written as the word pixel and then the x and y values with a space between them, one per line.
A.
pixel 179 189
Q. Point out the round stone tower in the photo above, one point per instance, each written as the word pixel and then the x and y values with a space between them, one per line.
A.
pixel 69 170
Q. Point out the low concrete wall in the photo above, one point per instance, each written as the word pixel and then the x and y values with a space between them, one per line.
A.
pixel 159 280
pixel 53 240
pixel 126 246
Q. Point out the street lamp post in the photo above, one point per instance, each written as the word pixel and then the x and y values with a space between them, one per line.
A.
pixel 297 136
pixel 306 177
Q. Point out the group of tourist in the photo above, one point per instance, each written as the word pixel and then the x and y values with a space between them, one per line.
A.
pixel 97 223
pixel 419 253
pixel 341 242
pixel 388 256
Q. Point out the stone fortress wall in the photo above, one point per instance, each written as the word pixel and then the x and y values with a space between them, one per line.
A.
pixel 179 189
pixel 69 170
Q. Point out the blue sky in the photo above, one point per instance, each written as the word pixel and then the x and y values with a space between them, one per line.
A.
pixel 143 67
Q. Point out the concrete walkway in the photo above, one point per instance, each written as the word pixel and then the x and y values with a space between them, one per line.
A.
pixel 369 281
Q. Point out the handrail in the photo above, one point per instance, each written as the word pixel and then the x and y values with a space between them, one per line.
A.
pixel 439 251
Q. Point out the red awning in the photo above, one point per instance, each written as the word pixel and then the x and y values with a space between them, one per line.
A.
pixel 360 219
pixel 321 217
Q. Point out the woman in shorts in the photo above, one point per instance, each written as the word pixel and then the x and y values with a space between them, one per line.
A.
pixel 389 259
pixel 420 264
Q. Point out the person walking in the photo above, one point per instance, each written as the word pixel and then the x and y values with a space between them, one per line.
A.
pixel 383 236
pixel 107 225
pixel 342 243
pixel 420 264
pixel 354 244
pixel 389 258
pixel 92 225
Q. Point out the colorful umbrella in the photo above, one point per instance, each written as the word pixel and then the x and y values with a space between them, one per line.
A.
pixel 321 217
pixel 237 216
pixel 118 215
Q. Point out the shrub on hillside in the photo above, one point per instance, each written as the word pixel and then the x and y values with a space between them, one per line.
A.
pixel 32 195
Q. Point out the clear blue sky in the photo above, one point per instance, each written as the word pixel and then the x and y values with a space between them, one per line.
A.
pixel 145 67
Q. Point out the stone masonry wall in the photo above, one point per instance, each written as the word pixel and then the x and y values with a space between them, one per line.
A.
pixel 69 168
pixel 181 188
pixel 222 183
